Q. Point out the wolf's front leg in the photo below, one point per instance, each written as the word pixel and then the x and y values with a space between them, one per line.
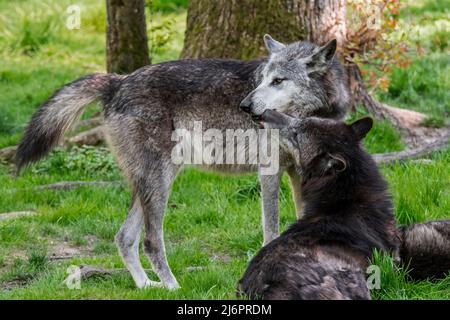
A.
pixel 270 191
pixel 296 183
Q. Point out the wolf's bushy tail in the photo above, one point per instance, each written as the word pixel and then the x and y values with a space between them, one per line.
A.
pixel 56 116
pixel 425 249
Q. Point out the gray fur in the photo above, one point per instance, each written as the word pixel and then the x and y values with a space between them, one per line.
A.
pixel 141 111
pixel 58 115
pixel 307 73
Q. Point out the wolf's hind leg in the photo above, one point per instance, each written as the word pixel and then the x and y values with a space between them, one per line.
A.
pixel 127 240
pixel 154 193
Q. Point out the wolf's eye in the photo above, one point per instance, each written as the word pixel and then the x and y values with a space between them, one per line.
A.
pixel 277 81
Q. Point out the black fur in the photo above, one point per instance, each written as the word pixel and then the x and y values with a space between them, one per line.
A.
pixel 425 250
pixel 348 214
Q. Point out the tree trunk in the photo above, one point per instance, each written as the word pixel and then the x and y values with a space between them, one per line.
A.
pixel 235 29
pixel 323 20
pixel 127 47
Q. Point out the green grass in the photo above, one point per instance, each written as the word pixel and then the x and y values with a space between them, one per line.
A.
pixel 424 86
pixel 396 286
pixel 39 55
pixel 212 222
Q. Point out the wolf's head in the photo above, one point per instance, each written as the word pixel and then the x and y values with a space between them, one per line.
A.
pixel 322 147
pixel 299 79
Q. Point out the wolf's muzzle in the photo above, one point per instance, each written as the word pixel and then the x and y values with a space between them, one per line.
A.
pixel 246 105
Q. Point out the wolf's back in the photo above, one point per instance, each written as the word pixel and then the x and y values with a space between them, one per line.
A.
pixel 56 116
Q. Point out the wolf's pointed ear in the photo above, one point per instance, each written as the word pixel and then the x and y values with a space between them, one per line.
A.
pixel 273 45
pixel 320 60
pixel 362 126
pixel 335 163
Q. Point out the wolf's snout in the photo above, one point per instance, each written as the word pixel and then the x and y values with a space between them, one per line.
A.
pixel 246 105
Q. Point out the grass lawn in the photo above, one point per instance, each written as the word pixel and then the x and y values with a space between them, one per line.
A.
pixel 212 227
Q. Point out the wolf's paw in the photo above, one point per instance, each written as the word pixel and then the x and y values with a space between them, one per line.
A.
pixel 172 286
pixel 155 284
pixel 151 284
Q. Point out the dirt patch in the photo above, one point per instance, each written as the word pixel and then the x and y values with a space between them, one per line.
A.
pixel 60 249
pixel 13 284
pixel 16 214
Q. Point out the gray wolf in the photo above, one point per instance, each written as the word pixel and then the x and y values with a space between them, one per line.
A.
pixel 142 109
pixel 348 214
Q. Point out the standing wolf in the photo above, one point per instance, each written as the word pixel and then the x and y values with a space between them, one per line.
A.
pixel 141 111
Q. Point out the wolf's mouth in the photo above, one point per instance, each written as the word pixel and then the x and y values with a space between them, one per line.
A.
pixel 257 119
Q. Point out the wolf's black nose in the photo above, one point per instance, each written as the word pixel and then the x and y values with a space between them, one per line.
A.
pixel 246 105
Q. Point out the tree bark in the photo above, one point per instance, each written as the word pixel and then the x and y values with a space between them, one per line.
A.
pixel 326 20
pixel 127 47
pixel 323 20
pixel 235 29
pixel 417 153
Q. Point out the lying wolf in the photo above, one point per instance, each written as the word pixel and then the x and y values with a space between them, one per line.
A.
pixel 348 214
pixel 425 249
pixel 143 109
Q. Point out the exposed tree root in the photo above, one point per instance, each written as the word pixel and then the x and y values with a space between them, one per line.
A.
pixel 91 137
pixel 88 271
pixel 7 154
pixel 402 119
pixel 411 123
pixel 424 150
pixel 92 271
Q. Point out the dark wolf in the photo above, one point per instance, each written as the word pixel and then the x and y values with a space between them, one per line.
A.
pixel 141 110
pixel 425 249
pixel 348 214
